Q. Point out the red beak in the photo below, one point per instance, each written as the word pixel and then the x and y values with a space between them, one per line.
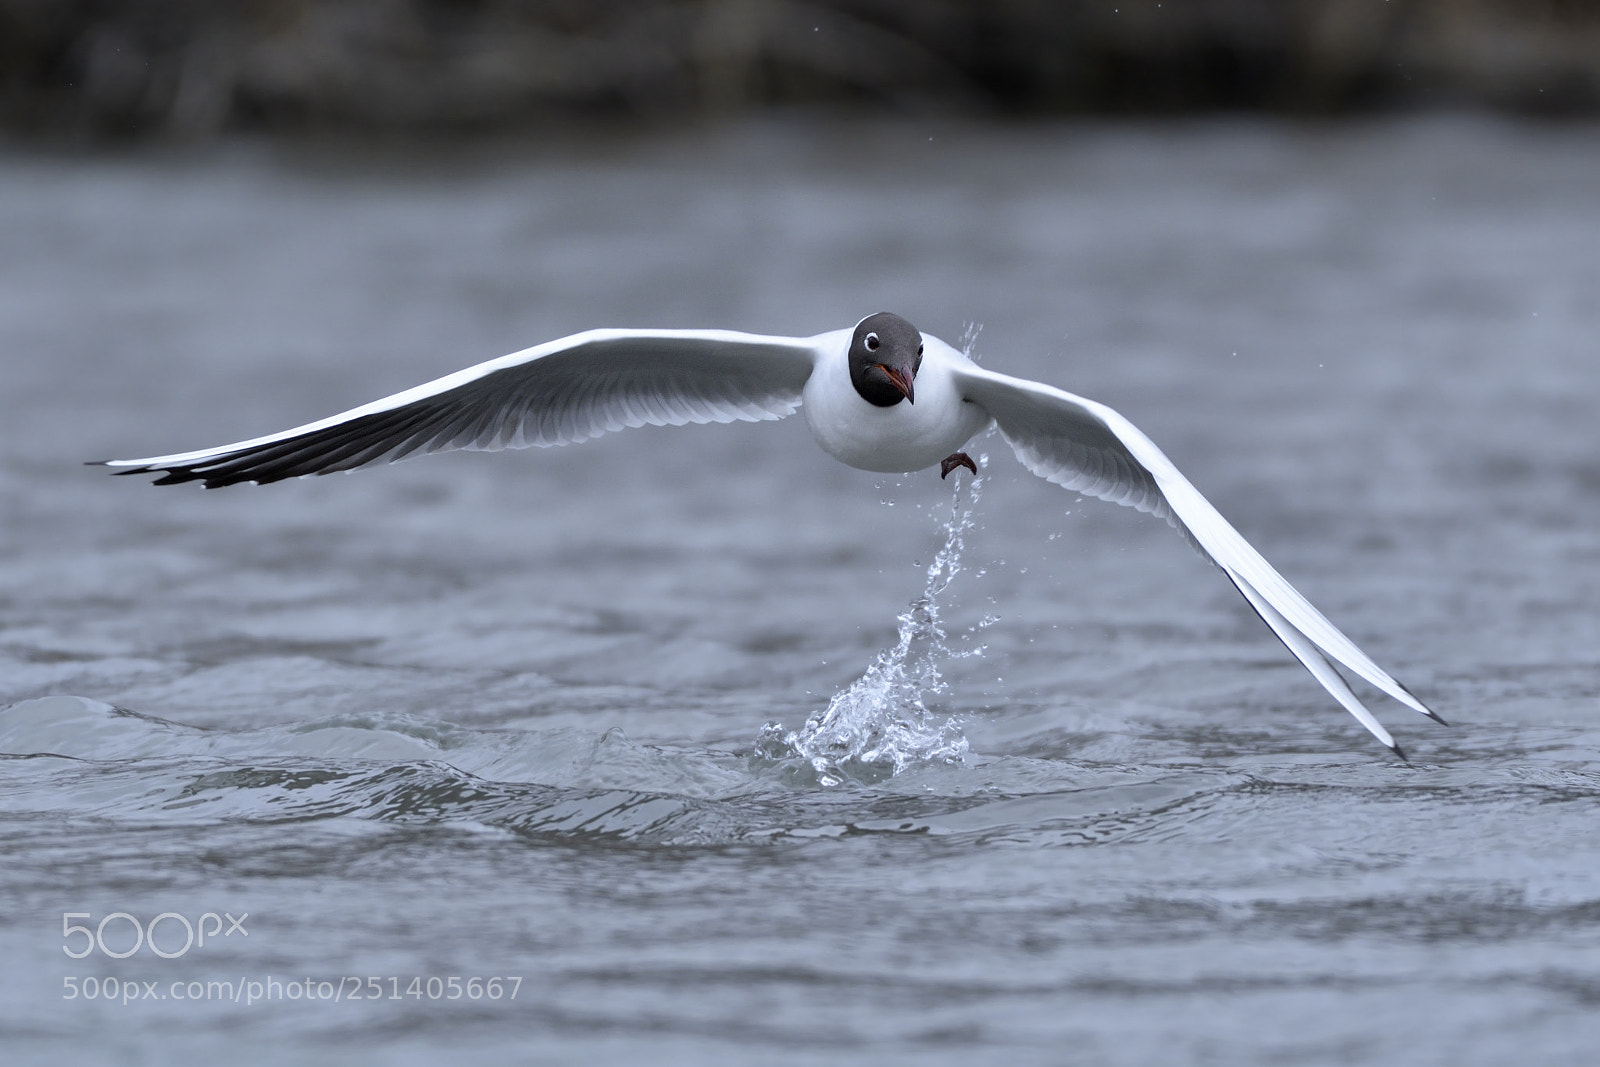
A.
pixel 901 380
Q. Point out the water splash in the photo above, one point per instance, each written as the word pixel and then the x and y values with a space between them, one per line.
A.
pixel 881 723
pixel 969 340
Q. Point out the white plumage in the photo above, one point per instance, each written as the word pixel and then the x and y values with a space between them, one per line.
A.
pixel 602 380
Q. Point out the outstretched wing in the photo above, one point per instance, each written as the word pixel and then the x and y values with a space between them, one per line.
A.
pixel 1090 448
pixel 553 394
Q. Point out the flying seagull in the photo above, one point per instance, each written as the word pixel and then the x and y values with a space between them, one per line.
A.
pixel 880 397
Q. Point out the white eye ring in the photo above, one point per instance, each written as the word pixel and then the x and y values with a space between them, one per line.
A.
pixel 871 341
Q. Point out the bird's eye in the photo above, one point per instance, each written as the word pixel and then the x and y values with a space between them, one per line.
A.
pixel 871 342
pixel 919 350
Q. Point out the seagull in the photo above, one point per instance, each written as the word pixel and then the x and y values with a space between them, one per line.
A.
pixel 879 397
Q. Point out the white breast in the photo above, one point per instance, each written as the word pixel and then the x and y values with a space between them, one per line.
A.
pixel 905 437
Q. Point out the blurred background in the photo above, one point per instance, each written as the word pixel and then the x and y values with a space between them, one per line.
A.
pixel 1330 254
pixel 195 68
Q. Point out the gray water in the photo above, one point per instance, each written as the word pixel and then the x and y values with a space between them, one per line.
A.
pixel 1062 797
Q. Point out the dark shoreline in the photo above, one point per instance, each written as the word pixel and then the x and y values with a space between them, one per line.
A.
pixel 152 68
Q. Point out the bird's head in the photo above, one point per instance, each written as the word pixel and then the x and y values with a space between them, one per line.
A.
pixel 885 354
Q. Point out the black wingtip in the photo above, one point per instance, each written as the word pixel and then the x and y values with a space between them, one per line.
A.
pixel 1398 751
pixel 123 473
pixel 1429 712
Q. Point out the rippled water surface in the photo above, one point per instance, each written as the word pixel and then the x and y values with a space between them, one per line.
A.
pixel 724 753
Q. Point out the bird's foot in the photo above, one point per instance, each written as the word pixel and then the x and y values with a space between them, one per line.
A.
pixel 954 460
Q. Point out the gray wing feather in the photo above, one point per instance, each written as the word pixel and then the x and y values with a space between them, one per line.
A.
pixel 567 390
pixel 1092 449
pixel 1060 438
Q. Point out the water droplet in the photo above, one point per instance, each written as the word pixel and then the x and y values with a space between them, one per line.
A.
pixel 881 723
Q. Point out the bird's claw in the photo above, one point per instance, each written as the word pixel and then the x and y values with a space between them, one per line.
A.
pixel 954 460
